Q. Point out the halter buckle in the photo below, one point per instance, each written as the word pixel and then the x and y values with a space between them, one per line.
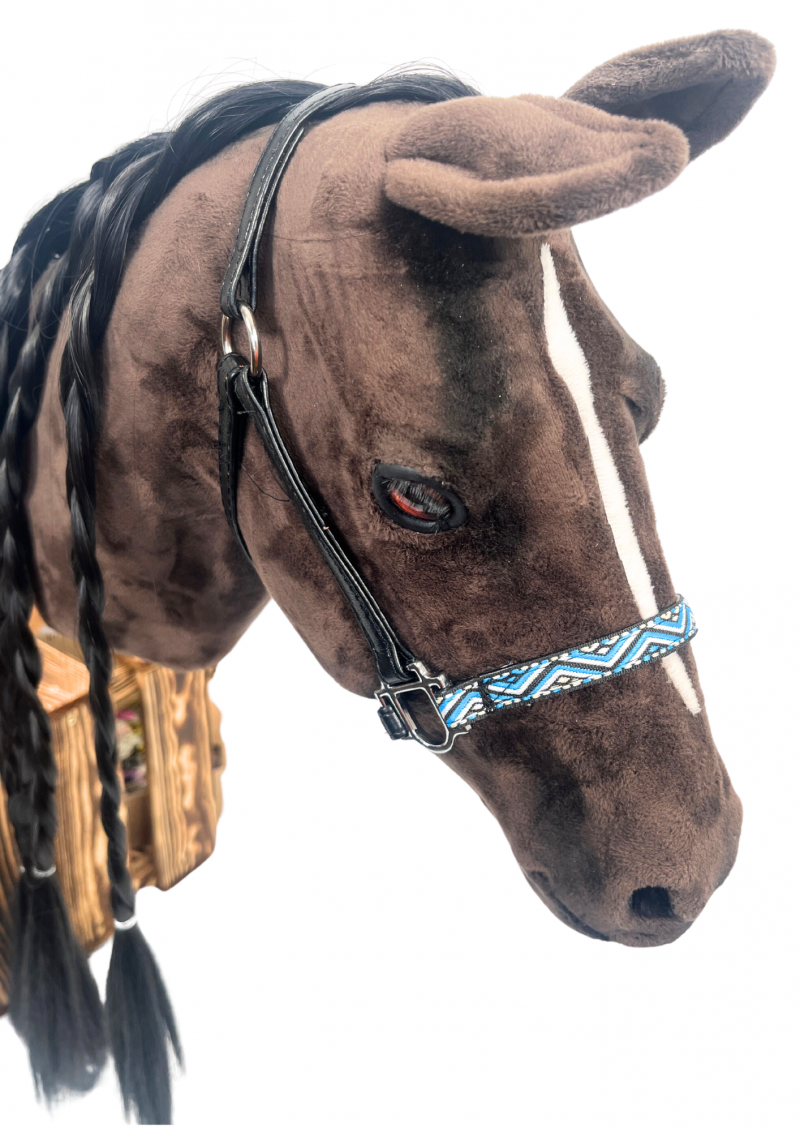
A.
pixel 398 719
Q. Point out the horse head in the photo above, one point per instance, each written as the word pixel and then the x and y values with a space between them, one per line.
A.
pixel 470 412
pixel 433 333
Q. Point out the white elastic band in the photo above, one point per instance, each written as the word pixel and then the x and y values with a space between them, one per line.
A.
pixel 39 874
pixel 125 925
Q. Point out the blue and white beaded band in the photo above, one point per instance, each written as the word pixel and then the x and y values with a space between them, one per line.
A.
pixel 571 669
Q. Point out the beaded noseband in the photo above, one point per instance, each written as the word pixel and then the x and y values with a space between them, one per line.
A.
pixel 404 679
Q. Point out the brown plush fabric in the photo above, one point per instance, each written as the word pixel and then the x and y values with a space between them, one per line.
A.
pixel 704 84
pixel 177 583
pixel 391 336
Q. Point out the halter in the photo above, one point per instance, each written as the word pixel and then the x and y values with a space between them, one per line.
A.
pixel 404 679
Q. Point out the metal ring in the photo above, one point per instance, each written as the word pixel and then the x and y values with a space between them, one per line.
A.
pixel 252 336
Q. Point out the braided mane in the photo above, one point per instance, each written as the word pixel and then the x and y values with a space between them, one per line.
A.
pixel 68 263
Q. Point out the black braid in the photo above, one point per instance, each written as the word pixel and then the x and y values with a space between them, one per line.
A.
pixel 26 760
pixel 25 747
pixel 53 1000
pixel 80 398
pixel 45 237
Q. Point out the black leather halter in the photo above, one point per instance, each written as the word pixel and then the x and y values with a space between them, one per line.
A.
pixel 244 394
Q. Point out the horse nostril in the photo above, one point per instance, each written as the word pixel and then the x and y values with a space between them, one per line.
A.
pixel 652 904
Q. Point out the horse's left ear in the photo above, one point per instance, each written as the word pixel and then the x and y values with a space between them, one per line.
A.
pixel 526 166
pixel 704 84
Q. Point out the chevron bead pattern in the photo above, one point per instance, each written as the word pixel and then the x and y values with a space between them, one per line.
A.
pixel 570 669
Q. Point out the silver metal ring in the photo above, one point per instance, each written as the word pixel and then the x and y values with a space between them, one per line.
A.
pixel 254 340
pixel 252 337
pixel 126 925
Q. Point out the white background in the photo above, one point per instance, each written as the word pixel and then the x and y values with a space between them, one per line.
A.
pixel 362 952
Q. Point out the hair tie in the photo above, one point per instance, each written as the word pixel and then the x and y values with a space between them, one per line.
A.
pixel 39 874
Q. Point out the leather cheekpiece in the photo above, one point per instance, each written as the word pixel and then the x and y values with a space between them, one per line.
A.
pixel 391 656
pixel 232 423
pixel 243 394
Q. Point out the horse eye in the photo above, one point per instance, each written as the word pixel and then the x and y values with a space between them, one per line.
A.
pixel 418 499
pixel 416 502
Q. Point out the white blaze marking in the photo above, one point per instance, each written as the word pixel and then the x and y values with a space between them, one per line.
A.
pixel 571 366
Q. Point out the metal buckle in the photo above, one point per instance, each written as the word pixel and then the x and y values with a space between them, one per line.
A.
pixel 398 720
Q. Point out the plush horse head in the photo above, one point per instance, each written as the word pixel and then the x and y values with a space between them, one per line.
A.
pixel 460 401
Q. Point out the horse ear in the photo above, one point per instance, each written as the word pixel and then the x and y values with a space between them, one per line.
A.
pixel 704 84
pixel 524 166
